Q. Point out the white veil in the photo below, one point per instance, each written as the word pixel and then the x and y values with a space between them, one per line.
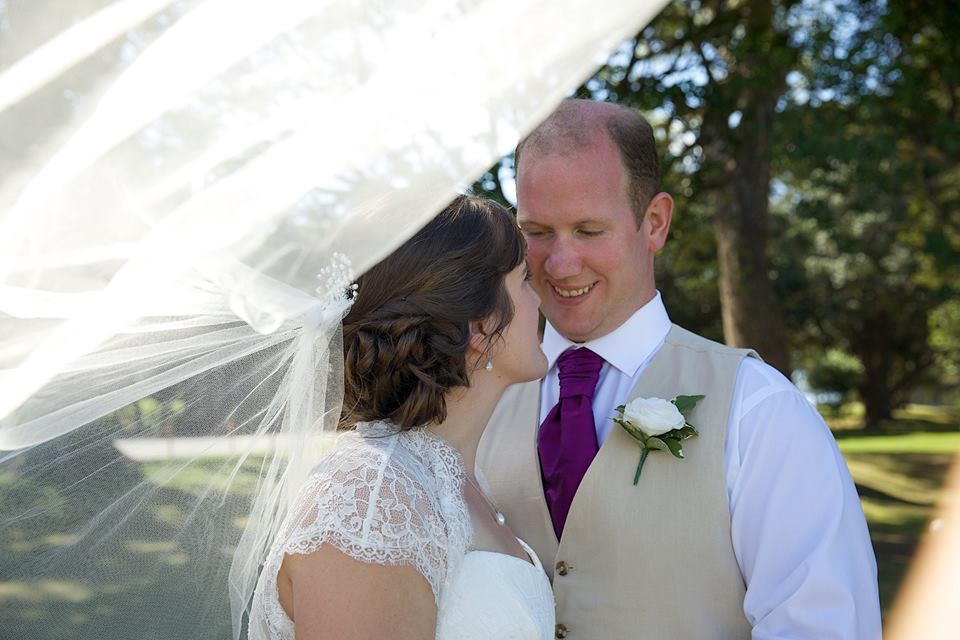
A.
pixel 173 177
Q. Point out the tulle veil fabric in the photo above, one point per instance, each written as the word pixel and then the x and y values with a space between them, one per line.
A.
pixel 187 190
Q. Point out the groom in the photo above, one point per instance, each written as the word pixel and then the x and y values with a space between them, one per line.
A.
pixel 758 532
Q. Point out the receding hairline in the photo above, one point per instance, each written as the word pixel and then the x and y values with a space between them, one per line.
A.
pixel 577 126
pixel 574 126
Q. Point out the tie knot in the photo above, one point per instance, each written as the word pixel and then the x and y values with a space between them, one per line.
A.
pixel 578 370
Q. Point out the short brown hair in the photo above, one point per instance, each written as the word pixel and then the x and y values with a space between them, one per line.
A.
pixel 575 124
pixel 406 336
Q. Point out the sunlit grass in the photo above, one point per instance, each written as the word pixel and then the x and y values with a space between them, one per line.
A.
pixel 926 443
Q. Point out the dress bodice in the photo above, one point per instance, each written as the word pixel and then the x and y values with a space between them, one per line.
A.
pixel 391 497
pixel 495 595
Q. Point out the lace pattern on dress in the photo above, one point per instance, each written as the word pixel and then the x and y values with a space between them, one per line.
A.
pixel 380 496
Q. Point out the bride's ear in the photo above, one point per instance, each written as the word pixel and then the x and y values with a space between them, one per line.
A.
pixel 479 343
pixel 478 336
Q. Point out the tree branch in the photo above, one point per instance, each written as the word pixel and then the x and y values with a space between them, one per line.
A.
pixel 706 63
pixel 904 383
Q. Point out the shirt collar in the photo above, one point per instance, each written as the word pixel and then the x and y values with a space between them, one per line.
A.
pixel 626 347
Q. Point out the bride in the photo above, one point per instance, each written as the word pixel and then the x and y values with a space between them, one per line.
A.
pixel 392 535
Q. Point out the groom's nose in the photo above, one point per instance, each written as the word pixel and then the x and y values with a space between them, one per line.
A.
pixel 563 261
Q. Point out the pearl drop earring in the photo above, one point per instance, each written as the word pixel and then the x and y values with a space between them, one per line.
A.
pixel 489 365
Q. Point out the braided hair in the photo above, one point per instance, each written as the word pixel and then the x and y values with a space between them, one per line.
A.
pixel 406 336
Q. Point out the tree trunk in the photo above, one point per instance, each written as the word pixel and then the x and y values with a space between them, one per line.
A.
pixel 874 349
pixel 740 159
pixel 875 394
pixel 751 314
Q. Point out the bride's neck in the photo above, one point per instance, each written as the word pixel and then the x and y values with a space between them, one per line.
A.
pixel 468 411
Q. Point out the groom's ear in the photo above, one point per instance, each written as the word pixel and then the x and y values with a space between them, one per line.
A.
pixel 656 221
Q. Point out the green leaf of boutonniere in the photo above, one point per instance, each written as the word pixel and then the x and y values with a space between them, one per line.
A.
pixel 687 431
pixel 631 430
pixel 685 403
pixel 675 448
pixel 653 442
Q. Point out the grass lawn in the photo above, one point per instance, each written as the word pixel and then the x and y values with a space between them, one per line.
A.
pixel 899 471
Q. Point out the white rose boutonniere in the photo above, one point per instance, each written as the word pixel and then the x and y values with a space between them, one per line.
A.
pixel 656 423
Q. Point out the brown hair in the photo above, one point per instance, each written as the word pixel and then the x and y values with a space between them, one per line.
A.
pixel 406 336
pixel 576 123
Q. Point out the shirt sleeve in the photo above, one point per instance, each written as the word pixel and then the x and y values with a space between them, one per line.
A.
pixel 798 530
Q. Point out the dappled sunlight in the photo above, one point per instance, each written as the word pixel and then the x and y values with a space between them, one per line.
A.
pixel 149 546
pixel 45 591
pixel 170 515
pixel 21 542
pixel 178 559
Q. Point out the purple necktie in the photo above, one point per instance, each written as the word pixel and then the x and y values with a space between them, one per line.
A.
pixel 567 441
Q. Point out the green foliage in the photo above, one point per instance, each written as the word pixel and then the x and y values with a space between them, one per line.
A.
pixel 836 371
pixel 149 414
pixel 489 185
pixel 868 203
pixel 944 327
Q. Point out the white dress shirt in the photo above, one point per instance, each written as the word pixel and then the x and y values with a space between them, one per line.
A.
pixel 798 530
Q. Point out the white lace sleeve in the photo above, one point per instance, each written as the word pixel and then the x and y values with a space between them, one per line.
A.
pixel 375 505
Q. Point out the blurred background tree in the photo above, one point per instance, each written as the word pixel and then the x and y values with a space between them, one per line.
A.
pixel 812 148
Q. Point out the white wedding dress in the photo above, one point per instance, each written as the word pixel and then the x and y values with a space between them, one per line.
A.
pixel 395 498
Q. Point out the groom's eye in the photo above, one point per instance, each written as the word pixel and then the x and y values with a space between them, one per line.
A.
pixel 590 233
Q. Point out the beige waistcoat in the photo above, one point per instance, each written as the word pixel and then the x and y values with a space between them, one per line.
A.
pixel 651 561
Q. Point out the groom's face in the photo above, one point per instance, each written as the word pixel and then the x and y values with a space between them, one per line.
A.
pixel 592 265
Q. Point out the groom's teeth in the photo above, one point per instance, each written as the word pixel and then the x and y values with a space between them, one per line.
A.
pixel 572 293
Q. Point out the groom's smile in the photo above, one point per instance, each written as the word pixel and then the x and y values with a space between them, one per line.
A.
pixel 572 294
pixel 591 263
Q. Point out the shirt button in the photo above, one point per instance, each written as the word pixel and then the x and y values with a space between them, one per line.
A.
pixel 560 631
pixel 562 568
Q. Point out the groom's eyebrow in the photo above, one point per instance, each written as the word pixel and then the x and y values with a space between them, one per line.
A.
pixel 533 227
pixel 577 223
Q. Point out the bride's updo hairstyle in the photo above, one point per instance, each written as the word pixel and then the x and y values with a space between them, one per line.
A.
pixel 405 338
